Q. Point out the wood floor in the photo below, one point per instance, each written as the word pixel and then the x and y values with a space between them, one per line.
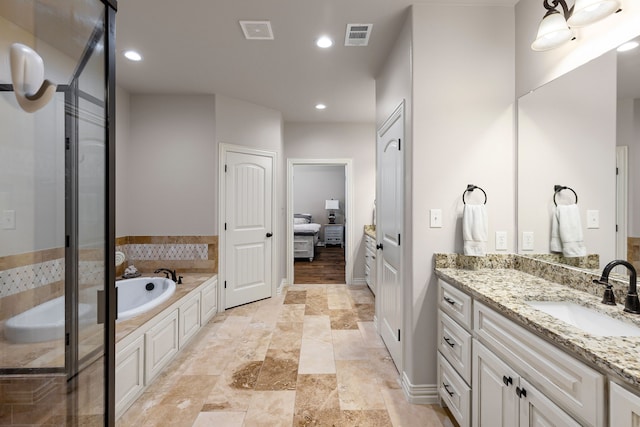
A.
pixel 327 267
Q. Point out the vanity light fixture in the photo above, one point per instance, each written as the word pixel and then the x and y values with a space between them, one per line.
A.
pixel 555 28
pixel 628 46
pixel 132 55
pixel 324 42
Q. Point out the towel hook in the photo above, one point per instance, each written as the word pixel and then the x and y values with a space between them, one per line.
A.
pixel 470 188
pixel 559 188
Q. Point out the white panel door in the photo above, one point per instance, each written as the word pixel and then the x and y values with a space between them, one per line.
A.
pixel 389 228
pixel 249 227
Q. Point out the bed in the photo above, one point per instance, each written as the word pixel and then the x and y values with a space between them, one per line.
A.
pixel 305 236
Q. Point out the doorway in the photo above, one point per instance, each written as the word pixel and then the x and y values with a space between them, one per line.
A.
pixel 318 189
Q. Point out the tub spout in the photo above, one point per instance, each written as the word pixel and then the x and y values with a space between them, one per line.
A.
pixel 168 272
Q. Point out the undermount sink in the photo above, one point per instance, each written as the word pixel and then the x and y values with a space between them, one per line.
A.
pixel 586 319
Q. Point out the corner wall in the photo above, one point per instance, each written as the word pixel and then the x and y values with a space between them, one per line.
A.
pixel 461 132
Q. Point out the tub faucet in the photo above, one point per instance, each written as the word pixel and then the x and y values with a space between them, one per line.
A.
pixel 631 304
pixel 166 272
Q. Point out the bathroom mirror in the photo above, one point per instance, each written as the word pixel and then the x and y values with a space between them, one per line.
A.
pixel 575 131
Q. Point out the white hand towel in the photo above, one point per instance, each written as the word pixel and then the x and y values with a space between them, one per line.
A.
pixel 556 244
pixel 475 229
pixel 570 231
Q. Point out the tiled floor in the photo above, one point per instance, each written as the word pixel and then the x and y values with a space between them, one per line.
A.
pixel 311 357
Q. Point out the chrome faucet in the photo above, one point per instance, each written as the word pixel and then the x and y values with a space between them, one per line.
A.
pixel 166 272
pixel 631 303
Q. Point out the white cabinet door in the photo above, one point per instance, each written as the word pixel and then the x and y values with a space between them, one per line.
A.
pixel 624 407
pixel 536 410
pixel 209 300
pixel 495 402
pixel 189 319
pixel 129 374
pixel 161 344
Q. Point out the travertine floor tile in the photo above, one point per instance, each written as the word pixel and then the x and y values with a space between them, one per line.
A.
pixel 285 361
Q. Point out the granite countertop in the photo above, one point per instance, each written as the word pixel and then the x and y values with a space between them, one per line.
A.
pixel 507 289
pixel 190 281
pixel 370 230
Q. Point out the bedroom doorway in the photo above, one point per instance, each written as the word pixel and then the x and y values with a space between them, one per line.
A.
pixel 319 236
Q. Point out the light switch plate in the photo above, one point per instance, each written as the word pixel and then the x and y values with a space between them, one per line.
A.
pixel 593 219
pixel 8 220
pixel 527 240
pixel 435 218
pixel 501 240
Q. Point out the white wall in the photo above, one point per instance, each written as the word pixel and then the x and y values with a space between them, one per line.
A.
pixel 462 133
pixel 567 136
pixel 170 166
pixel 533 69
pixel 123 114
pixel 341 141
pixel 312 185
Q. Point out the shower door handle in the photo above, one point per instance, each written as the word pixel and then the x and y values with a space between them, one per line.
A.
pixel 100 306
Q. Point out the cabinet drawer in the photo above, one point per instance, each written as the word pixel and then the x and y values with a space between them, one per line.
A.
pixel 455 303
pixel 455 345
pixel 574 386
pixel 454 392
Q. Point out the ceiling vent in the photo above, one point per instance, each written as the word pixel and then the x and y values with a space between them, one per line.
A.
pixel 357 34
pixel 257 30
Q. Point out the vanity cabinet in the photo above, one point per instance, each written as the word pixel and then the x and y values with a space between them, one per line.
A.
pixel 502 398
pixel 494 372
pixel 370 267
pixel 454 351
pixel 624 407
pixel 570 384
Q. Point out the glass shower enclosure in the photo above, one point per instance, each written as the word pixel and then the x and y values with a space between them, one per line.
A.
pixel 57 292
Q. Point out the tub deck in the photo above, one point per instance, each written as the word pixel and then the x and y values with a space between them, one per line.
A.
pixel 50 354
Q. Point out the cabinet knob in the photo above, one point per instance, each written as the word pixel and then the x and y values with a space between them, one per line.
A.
pixel 521 392
pixel 379 246
pixel 507 380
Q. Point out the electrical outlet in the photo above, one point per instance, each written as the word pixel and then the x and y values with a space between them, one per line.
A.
pixel 501 240
pixel 435 218
pixel 8 220
pixel 527 240
pixel 593 219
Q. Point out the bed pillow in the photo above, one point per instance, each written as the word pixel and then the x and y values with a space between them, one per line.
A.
pixel 300 221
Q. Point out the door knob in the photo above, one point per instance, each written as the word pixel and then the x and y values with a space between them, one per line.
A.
pixel 269 234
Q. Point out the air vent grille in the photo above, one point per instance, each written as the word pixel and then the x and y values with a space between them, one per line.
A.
pixel 257 30
pixel 357 34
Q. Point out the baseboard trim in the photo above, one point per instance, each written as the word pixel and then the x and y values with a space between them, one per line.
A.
pixel 283 284
pixel 359 281
pixel 424 394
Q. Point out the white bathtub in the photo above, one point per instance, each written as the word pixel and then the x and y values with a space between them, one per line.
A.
pixel 135 299
pixel 44 322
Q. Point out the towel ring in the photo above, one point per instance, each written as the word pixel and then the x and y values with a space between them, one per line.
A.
pixel 559 188
pixel 470 188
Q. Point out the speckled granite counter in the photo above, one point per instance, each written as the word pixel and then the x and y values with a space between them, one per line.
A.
pixel 370 230
pixel 190 281
pixel 506 289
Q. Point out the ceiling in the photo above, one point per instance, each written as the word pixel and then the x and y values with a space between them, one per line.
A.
pixel 198 47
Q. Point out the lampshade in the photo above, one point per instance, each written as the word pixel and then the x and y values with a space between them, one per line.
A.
pixel 331 204
pixel 586 12
pixel 552 32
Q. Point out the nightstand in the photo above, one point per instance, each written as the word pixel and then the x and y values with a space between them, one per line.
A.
pixel 334 234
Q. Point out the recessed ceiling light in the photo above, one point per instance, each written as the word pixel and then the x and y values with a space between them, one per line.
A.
pixel 324 42
pixel 132 55
pixel 320 106
pixel 627 46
